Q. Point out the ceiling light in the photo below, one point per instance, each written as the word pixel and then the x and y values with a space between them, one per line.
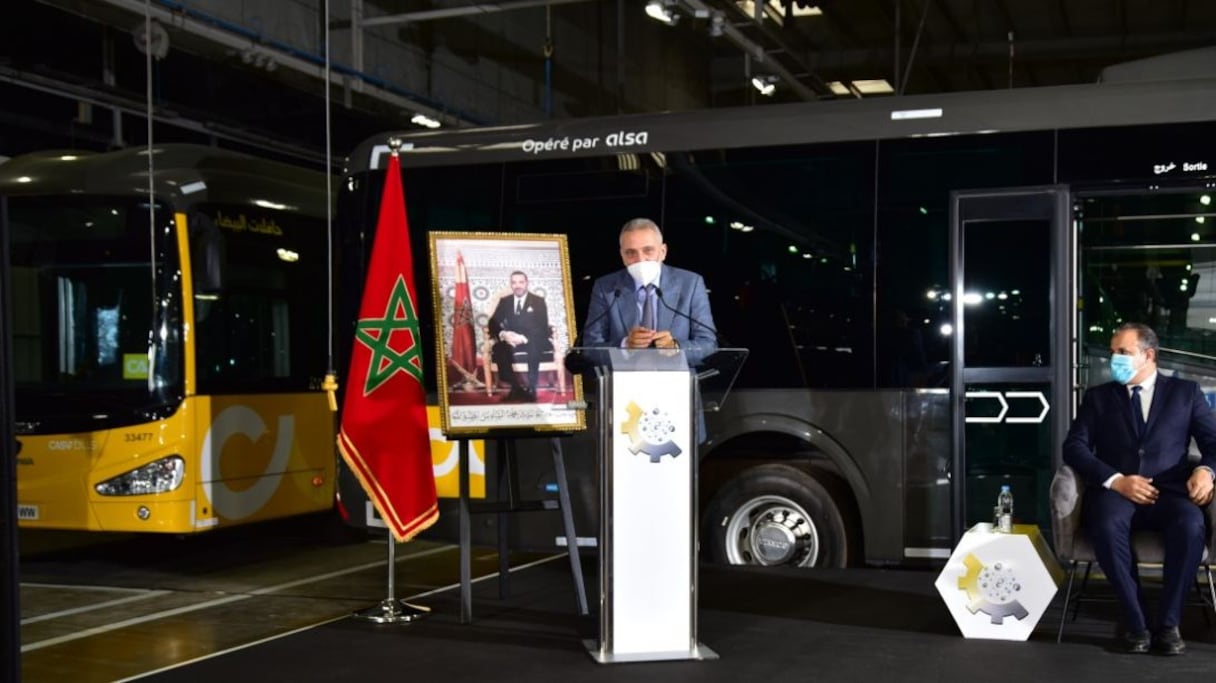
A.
pixel 774 11
pixel 663 10
pixel 877 86
pixel 808 11
pixel 766 85
pixel 839 88
pixel 425 121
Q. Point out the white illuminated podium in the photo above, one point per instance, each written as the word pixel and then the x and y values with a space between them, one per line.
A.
pixel 647 416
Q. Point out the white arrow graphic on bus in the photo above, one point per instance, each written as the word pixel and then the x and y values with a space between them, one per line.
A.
pixel 1029 394
pixel 1005 406
pixel 988 394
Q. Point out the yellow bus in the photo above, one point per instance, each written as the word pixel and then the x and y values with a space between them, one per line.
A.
pixel 168 355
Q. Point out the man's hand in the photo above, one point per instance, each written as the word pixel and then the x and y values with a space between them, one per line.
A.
pixel 1140 490
pixel 664 340
pixel 640 338
pixel 1199 487
pixel 512 338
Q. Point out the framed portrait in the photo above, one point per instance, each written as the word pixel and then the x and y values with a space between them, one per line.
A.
pixel 504 320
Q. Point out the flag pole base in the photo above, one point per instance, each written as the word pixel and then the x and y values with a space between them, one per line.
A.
pixel 391 611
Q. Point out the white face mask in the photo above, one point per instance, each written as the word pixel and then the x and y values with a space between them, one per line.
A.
pixel 644 272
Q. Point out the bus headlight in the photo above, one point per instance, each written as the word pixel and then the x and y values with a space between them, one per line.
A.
pixel 159 476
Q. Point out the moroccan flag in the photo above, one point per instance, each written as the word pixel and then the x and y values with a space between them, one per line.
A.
pixel 464 351
pixel 384 436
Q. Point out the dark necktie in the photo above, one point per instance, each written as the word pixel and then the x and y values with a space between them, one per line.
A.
pixel 1137 411
pixel 646 295
pixel 519 306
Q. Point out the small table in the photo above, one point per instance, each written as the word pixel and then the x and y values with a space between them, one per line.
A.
pixel 998 585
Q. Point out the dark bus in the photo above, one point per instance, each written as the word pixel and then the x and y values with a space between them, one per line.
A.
pixel 926 284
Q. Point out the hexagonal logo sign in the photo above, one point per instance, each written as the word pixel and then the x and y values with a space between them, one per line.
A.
pixel 998 585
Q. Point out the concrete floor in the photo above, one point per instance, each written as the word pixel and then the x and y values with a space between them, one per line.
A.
pixel 105 607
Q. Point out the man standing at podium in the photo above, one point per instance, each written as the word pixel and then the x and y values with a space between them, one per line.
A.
pixel 649 304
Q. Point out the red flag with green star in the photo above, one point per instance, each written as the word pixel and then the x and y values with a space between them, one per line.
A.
pixel 384 436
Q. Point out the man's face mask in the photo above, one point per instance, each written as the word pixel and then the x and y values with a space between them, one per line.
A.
pixel 644 272
pixel 1122 367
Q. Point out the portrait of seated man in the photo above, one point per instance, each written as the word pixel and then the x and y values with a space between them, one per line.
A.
pixel 519 325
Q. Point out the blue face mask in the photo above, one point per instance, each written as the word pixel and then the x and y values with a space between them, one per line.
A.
pixel 1122 367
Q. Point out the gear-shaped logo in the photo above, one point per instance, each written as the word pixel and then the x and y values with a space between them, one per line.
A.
pixel 992 590
pixel 650 432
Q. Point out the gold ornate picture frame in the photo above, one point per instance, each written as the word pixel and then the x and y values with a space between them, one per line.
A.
pixel 504 300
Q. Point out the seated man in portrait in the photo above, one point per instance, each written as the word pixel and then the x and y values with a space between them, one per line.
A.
pixel 520 324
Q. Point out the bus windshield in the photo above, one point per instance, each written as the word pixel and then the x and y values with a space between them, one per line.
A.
pixel 94 317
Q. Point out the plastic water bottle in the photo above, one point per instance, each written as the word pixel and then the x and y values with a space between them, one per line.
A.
pixel 1004 510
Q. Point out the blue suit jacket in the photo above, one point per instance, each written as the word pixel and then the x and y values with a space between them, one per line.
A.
pixel 614 310
pixel 1102 440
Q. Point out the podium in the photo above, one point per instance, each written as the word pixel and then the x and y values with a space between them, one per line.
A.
pixel 648 421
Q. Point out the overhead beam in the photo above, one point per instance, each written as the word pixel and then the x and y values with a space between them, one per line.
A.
pixel 1114 48
pixel 765 54
pixel 104 97
pixel 224 38
pixel 465 11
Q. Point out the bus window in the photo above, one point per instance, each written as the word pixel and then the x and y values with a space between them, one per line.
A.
pixel 84 274
pixel 264 329
pixel 1144 258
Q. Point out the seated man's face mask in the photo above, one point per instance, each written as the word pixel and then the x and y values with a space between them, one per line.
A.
pixel 1122 367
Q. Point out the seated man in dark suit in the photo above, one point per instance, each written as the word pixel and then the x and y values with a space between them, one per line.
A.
pixel 1129 445
pixel 520 324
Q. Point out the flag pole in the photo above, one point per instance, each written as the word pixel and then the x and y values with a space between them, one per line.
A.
pixel 391 610
pixel 388 390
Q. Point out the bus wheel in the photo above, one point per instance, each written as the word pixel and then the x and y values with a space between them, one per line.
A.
pixel 775 515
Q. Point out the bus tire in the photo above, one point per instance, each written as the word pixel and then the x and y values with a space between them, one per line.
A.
pixel 775 515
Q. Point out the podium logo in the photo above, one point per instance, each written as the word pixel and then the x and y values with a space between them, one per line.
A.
pixel 650 432
pixel 992 590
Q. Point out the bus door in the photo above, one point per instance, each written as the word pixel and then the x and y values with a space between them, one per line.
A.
pixel 1011 281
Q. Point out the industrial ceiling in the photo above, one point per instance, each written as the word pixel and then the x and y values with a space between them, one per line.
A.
pixel 76 72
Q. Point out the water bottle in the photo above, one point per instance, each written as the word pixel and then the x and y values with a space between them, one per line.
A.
pixel 1004 510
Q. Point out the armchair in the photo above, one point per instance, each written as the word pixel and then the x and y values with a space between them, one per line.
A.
pixel 551 361
pixel 1074 549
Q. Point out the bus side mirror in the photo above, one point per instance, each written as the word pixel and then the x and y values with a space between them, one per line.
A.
pixel 208 255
